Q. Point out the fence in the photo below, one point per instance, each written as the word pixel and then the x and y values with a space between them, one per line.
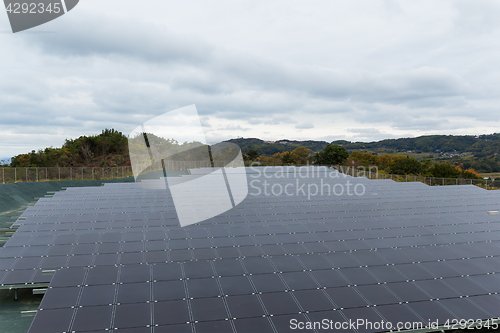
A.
pixel 42 174
pixel 183 165
pixel 15 175
pixel 488 184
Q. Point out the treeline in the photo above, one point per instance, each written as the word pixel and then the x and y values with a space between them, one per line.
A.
pixel 298 156
pixel 281 146
pixel 480 146
pixel 158 146
pixel 484 149
pixel 407 165
pixel 110 148
pixel 334 154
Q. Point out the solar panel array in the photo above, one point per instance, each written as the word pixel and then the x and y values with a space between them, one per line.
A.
pixel 401 252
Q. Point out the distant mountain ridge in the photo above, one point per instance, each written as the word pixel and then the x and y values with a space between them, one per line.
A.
pixel 269 148
pixel 486 145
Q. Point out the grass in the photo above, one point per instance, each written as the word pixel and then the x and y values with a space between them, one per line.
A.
pixel 11 319
pixel 493 175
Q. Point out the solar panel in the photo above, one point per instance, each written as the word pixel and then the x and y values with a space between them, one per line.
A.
pixel 401 252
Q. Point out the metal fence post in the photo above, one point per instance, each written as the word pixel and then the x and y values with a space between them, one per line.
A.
pixel 59 174
pixel 26 174
pixel 15 175
pixel 37 175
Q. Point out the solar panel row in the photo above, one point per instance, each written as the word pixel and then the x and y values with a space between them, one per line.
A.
pixel 400 253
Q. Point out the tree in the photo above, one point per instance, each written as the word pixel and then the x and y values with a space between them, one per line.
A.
pixel 444 170
pixel 300 155
pixel 85 151
pixel 365 159
pixel 406 166
pixel 470 174
pixel 252 154
pixel 332 154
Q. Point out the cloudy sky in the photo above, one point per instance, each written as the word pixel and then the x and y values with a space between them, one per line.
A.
pixel 295 69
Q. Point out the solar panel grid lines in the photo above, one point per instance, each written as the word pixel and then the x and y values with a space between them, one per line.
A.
pixel 301 242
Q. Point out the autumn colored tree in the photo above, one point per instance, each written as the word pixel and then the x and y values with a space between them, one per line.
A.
pixel 300 155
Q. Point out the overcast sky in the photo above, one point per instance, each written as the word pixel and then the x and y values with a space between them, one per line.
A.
pixel 324 70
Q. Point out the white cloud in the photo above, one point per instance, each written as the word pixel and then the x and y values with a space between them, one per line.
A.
pixel 270 69
pixel 304 126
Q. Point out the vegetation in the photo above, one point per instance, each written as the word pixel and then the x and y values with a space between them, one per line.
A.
pixel 481 153
pixel 268 148
pixel 334 154
pixel 251 155
pixel 331 155
pixel 110 148
pixel 298 156
pixel 161 147
pixel 480 146
pixel 406 165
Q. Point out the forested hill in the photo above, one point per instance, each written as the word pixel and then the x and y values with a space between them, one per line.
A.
pixel 110 148
pixel 479 146
pixel 269 148
pixel 481 153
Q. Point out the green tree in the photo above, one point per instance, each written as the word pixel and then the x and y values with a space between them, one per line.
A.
pixel 444 170
pixel 84 151
pixel 252 154
pixel 332 154
pixel 406 166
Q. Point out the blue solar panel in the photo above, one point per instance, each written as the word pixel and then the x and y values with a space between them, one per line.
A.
pixel 410 251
